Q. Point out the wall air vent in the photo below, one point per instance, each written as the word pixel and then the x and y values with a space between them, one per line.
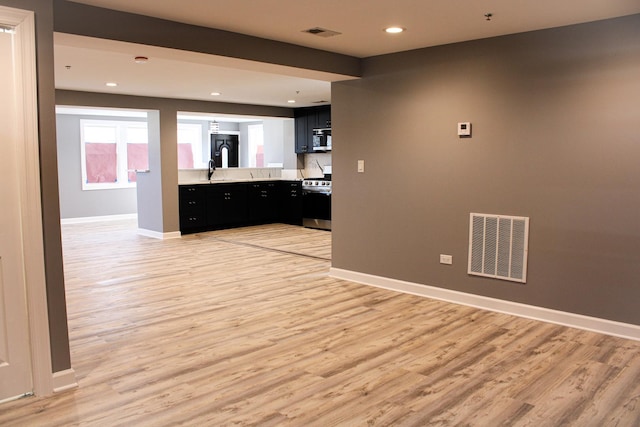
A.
pixel 498 246
pixel 321 32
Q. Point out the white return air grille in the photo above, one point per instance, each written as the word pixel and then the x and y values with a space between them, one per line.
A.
pixel 498 246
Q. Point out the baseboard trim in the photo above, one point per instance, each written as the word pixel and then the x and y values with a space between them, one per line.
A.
pixel 579 321
pixel 64 380
pixel 87 219
pixel 158 234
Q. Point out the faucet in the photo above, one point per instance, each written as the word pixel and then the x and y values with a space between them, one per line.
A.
pixel 212 168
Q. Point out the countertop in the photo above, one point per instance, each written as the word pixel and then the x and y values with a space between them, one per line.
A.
pixel 232 181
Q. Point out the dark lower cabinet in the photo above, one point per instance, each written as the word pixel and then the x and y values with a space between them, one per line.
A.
pixel 290 203
pixel 262 202
pixel 226 205
pixel 193 208
pixel 213 206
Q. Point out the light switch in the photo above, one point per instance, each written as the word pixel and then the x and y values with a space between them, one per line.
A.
pixel 361 166
pixel 464 129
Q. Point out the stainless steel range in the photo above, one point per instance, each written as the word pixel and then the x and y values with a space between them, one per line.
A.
pixel 316 203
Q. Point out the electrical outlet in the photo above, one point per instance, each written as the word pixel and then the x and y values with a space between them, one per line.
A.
pixel 446 259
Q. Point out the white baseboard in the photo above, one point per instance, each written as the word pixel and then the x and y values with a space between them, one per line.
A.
pixel 84 220
pixel 158 234
pixel 593 324
pixel 64 380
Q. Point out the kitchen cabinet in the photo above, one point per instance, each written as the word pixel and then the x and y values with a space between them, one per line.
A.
pixel 262 202
pixel 226 205
pixel 290 203
pixel 193 209
pixel 322 118
pixel 213 206
pixel 307 119
pixel 303 141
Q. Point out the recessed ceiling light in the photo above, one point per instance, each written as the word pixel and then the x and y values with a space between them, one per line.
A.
pixel 141 59
pixel 394 30
pixel 215 94
pixel 291 101
pixel 112 84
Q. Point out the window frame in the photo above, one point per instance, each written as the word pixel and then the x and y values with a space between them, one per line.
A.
pixel 122 171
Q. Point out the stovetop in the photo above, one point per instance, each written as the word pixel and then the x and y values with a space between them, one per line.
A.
pixel 317 184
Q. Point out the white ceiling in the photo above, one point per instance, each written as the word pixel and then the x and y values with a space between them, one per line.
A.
pixel 172 73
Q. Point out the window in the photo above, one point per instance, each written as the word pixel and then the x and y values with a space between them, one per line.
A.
pixel 256 146
pixel 190 153
pixel 111 152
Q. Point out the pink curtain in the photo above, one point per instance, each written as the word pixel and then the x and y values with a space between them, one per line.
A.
pixel 102 162
pixel 260 157
pixel 185 156
pixel 137 158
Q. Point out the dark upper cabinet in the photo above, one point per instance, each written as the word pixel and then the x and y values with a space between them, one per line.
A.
pixel 307 119
pixel 303 144
pixel 323 118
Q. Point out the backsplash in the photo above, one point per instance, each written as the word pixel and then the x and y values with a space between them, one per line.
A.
pixel 228 174
pixel 314 163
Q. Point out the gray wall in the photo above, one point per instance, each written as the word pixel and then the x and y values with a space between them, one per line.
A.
pixel 555 118
pixel 78 203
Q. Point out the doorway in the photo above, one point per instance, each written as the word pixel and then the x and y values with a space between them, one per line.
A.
pixel 224 150
pixel 25 361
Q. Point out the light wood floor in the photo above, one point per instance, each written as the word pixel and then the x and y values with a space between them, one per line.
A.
pixel 244 327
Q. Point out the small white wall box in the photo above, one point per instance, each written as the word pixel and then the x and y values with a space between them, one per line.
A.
pixel 464 129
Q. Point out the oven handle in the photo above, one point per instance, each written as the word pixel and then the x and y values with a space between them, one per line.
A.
pixel 320 193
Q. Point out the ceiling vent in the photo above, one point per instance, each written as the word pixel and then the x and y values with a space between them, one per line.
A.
pixel 321 32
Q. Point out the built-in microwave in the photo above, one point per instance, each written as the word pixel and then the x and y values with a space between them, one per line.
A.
pixel 322 139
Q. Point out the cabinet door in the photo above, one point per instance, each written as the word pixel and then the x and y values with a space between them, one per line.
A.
pixel 215 207
pixel 235 203
pixel 227 205
pixel 262 202
pixel 193 209
pixel 302 139
pixel 323 118
pixel 290 202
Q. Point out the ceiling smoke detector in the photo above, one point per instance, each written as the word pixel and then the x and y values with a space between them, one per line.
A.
pixel 321 32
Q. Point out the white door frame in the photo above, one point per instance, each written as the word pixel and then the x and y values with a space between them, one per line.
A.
pixel 30 204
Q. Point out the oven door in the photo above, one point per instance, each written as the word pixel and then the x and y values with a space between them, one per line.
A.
pixel 316 210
